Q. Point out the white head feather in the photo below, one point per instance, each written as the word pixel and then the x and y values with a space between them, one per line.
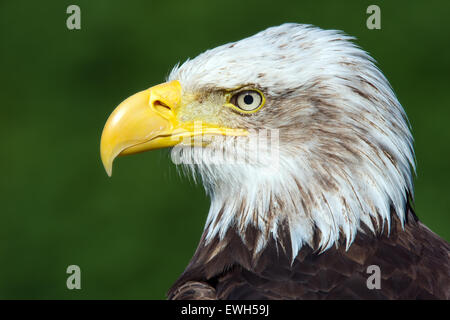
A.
pixel 345 149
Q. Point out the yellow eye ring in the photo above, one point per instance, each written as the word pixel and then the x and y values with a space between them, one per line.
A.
pixel 246 101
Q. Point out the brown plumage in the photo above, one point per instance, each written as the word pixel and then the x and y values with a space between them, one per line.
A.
pixel 414 264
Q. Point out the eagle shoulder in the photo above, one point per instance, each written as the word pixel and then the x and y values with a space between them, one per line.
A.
pixel 413 261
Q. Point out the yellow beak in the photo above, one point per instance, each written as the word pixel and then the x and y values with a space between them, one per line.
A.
pixel 148 120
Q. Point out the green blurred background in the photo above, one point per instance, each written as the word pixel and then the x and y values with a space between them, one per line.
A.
pixel 132 235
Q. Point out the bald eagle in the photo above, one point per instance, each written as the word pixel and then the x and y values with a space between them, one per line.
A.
pixel 326 199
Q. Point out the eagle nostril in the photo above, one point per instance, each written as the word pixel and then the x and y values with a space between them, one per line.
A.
pixel 161 107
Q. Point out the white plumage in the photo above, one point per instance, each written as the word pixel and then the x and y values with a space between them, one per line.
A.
pixel 345 154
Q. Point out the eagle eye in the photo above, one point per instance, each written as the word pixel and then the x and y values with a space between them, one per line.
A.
pixel 247 101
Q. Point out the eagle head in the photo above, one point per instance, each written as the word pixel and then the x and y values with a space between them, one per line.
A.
pixel 293 130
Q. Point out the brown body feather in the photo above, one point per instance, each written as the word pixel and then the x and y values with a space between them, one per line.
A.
pixel 414 264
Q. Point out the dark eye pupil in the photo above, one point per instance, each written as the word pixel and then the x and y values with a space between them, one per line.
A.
pixel 248 99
